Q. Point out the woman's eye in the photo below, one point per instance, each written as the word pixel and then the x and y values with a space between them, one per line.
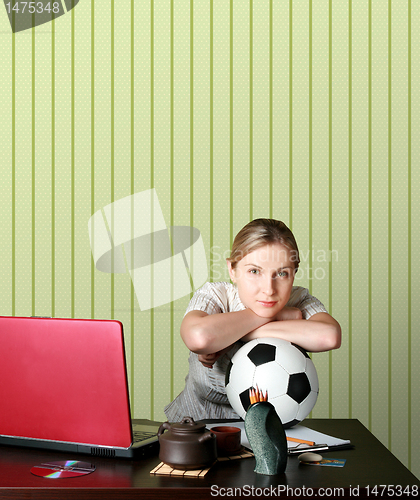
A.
pixel 254 271
pixel 283 274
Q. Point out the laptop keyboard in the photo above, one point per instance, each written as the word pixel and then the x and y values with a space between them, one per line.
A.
pixel 142 435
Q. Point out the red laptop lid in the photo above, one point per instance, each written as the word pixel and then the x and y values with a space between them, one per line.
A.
pixel 64 380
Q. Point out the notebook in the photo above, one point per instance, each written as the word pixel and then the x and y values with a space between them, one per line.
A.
pixel 64 387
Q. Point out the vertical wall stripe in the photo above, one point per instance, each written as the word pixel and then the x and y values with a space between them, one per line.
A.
pixel 211 136
pixel 310 152
pixel 53 168
pixel 33 274
pixel 350 221
pixel 152 92
pixel 132 188
pixel 132 295
pixel 370 215
pixel 271 188
pixel 13 174
pixel 409 247
pixel 291 114
pixel 112 124
pixel 152 166
pixel 251 110
pixel 191 135
pixel 172 197
pixel 231 124
pixel 389 224
pixel 72 190
pixel 330 308
pixel 92 146
pixel 191 114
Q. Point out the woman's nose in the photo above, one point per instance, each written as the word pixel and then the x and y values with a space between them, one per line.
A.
pixel 269 286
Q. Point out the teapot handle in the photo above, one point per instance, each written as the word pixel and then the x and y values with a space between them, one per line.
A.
pixel 163 427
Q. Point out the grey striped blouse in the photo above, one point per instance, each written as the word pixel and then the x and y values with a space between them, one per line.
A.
pixel 204 395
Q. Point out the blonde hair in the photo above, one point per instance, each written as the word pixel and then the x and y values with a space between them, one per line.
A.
pixel 261 232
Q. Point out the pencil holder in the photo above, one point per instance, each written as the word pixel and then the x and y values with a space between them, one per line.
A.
pixel 267 438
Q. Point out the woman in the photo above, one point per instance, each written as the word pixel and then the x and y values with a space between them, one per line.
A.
pixel 260 302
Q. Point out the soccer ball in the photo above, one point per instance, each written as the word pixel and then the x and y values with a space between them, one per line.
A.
pixel 279 367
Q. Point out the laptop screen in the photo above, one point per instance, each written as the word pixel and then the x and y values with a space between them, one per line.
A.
pixel 64 380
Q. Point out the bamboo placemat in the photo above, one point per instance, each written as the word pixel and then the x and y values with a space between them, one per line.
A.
pixel 166 470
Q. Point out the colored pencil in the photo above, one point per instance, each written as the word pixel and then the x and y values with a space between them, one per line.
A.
pixel 301 441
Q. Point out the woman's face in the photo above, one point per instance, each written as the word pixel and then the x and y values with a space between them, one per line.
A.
pixel 264 279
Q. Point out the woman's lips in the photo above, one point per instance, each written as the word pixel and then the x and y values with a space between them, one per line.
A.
pixel 268 303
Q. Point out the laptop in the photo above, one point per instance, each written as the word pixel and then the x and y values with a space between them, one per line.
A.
pixel 64 387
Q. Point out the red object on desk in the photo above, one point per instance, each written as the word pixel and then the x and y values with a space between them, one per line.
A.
pixel 65 378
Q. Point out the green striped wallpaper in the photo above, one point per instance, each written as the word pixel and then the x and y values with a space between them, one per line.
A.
pixel 303 110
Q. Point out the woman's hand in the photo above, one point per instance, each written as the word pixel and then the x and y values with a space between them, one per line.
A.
pixel 321 332
pixel 288 313
pixel 208 360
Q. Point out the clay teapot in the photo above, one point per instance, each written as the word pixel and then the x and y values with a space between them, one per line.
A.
pixel 186 445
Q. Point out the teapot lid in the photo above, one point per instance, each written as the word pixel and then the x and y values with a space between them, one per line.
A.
pixel 187 424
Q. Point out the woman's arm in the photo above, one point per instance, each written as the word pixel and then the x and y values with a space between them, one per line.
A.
pixel 321 332
pixel 206 333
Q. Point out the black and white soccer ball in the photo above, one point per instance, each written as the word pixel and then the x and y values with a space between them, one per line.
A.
pixel 279 367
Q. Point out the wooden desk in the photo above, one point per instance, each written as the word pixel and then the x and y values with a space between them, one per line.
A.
pixel 368 464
